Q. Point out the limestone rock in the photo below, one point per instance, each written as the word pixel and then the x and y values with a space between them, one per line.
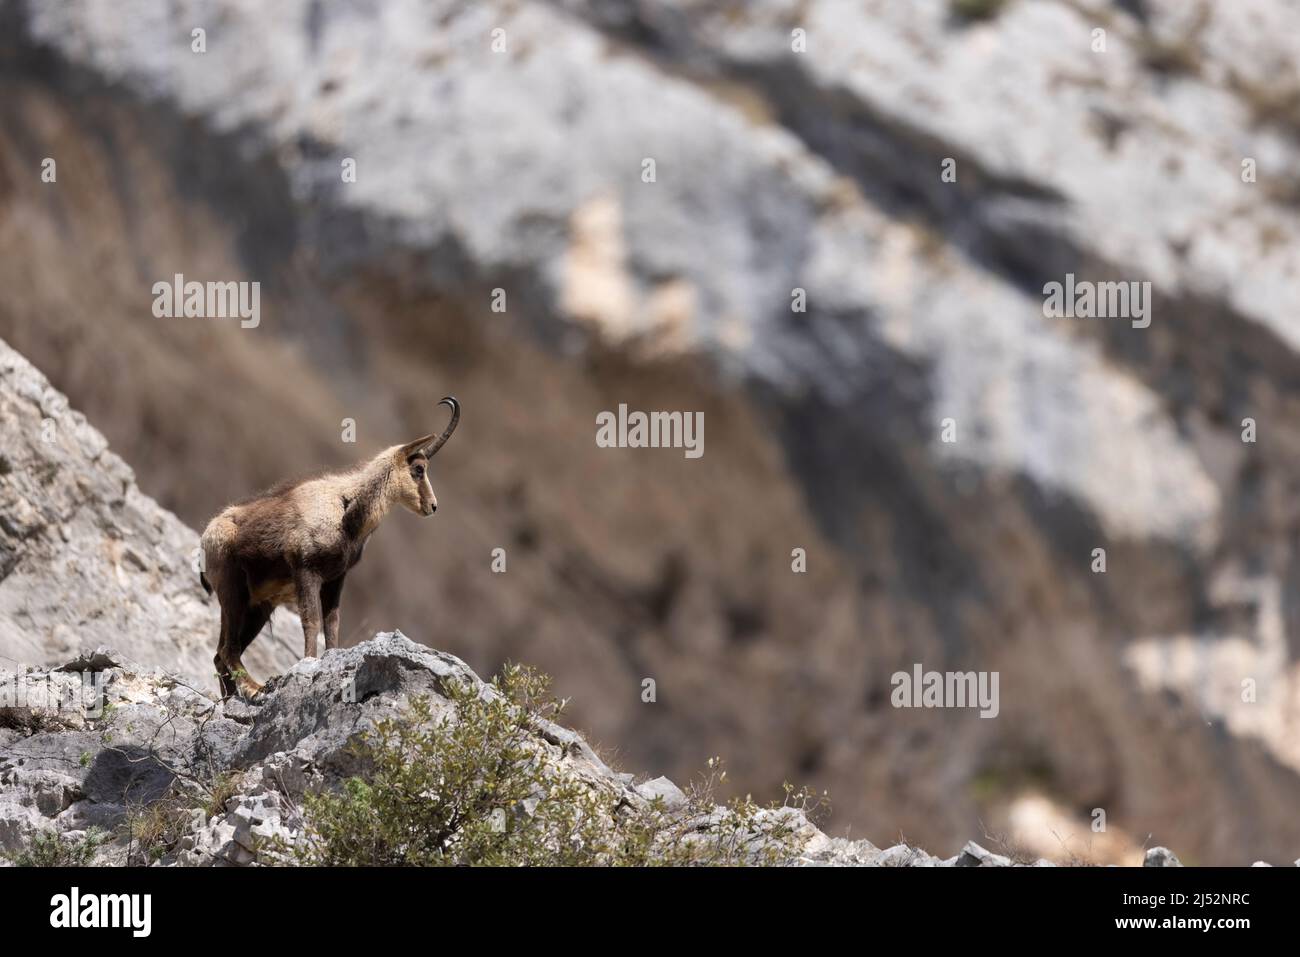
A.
pixel 1161 857
pixel 86 559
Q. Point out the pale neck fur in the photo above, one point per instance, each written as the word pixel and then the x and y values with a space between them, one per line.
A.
pixel 370 487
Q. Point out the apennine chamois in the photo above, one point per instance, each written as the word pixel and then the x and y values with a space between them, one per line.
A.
pixel 294 544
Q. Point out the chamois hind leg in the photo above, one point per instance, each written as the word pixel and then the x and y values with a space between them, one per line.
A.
pixel 331 593
pixel 223 669
pixel 254 620
pixel 246 685
pixel 308 587
pixel 233 596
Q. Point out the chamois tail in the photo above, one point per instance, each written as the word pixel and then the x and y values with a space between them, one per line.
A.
pixel 212 544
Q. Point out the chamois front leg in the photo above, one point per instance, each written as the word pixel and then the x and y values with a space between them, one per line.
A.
pixel 331 593
pixel 309 605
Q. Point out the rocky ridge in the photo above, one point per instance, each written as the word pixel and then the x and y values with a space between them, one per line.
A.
pixel 83 744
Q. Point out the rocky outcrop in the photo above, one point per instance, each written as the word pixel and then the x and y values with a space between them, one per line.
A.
pixel 86 559
pixel 83 746
pixel 1161 857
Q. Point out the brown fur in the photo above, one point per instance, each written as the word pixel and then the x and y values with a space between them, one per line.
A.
pixel 294 544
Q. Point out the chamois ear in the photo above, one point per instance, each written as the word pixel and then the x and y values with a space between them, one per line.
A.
pixel 411 449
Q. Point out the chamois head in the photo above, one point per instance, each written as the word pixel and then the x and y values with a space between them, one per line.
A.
pixel 411 466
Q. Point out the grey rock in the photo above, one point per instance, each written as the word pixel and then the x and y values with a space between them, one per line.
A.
pixel 900 855
pixel 1160 857
pixel 839 852
pixel 660 787
pixel 18 824
pixel 972 855
pixel 85 556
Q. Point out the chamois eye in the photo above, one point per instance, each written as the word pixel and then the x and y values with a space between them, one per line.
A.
pixel 419 471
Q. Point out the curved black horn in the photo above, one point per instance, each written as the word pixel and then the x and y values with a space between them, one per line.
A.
pixel 436 444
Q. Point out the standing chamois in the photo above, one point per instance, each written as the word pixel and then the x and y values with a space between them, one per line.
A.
pixel 294 544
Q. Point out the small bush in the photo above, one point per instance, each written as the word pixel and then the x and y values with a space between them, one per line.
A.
pixel 48 849
pixel 474 785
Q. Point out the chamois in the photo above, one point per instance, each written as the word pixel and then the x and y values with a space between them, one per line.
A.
pixel 294 544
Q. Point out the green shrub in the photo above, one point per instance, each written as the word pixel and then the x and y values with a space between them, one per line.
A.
pixel 48 849
pixel 474 785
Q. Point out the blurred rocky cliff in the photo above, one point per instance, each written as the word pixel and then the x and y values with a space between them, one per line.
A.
pixel 798 151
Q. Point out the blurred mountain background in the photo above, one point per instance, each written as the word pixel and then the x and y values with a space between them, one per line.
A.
pixel 798 146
